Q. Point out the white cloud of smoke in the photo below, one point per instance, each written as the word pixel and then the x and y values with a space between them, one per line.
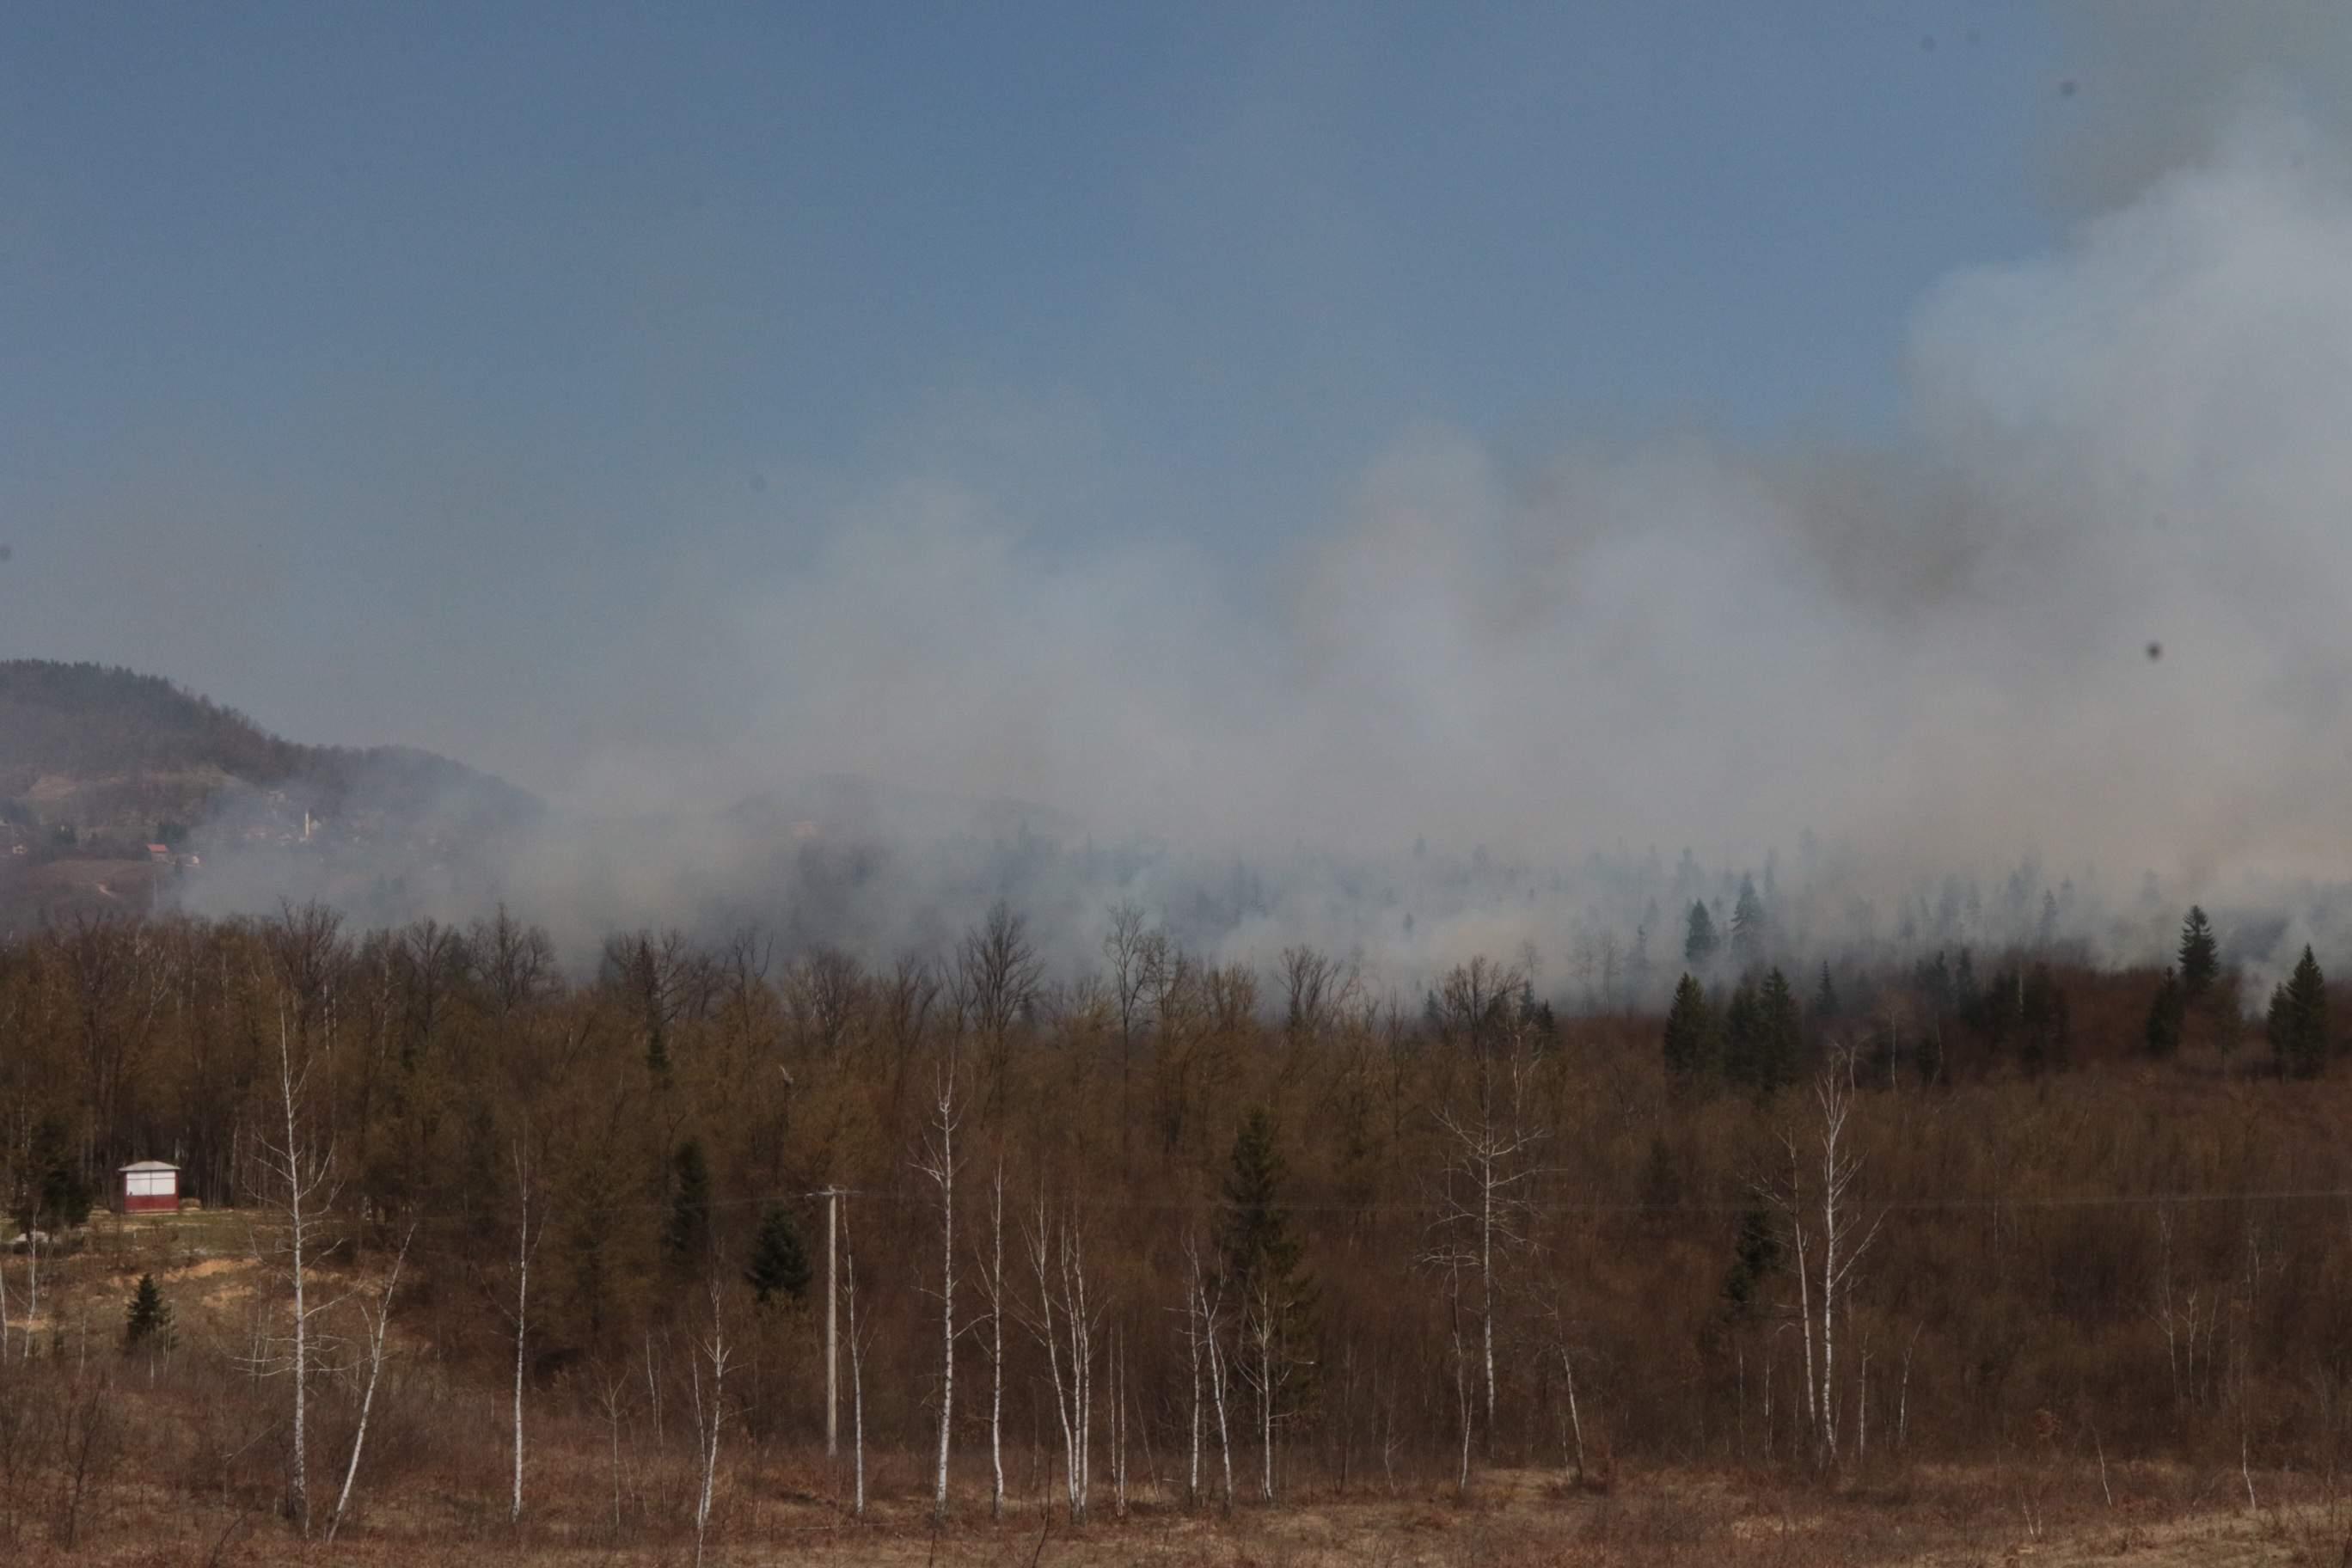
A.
pixel 1937 654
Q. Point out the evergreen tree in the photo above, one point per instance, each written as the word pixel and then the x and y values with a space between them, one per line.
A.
pixel 779 1264
pixel 1755 1252
pixel 1964 983
pixel 2200 957
pixel 1748 925
pixel 148 1320
pixel 2165 1014
pixel 2041 1023
pixel 2298 1020
pixel 1253 1235
pixel 1742 1048
pixel 1700 941
pixel 1825 998
pixel 1780 1034
pixel 1637 964
pixel 2045 935
pixel 57 1197
pixel 686 1237
pixel 1263 1262
pixel 1690 1031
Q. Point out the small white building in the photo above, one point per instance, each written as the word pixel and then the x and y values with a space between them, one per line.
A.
pixel 151 1186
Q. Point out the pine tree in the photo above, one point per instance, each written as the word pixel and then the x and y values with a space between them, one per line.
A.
pixel 1265 1270
pixel 2298 1020
pixel 686 1237
pixel 1742 1049
pixel 58 1197
pixel 1825 998
pixel 1254 1231
pixel 2042 1022
pixel 1690 1031
pixel 1748 925
pixel 148 1320
pixel 1780 1034
pixel 2165 1014
pixel 1700 944
pixel 780 1265
pixel 2200 959
pixel 1754 1254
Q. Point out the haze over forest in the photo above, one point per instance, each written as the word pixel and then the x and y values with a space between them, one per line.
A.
pixel 1345 574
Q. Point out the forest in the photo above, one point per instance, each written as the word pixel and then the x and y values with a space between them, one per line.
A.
pixel 566 1246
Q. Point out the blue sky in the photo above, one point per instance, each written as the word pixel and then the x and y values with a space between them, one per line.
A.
pixel 377 372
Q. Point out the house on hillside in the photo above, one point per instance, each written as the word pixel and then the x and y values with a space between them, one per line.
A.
pixel 151 1186
pixel 159 852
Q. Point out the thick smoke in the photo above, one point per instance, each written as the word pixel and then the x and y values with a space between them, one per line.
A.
pixel 2084 614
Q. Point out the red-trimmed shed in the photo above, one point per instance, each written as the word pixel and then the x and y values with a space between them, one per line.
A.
pixel 151 1186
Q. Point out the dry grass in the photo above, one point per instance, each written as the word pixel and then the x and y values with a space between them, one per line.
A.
pixel 779 1508
pixel 194 1479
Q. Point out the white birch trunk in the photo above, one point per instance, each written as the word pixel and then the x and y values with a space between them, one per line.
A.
pixel 1487 1280
pixel 376 1326
pixel 719 1355
pixel 1192 1348
pixel 526 1243
pixel 941 1169
pixel 1217 1387
pixel 298 1483
pixel 996 1345
pixel 856 1378
pixel 1575 1421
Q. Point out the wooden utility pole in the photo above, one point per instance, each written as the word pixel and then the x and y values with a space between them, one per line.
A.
pixel 832 1338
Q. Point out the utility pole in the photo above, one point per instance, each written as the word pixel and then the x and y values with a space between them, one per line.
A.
pixel 832 1340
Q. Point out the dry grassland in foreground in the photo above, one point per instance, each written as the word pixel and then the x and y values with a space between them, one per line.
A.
pixel 2161 1518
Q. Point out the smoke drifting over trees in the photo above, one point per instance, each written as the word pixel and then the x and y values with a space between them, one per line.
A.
pixel 1927 649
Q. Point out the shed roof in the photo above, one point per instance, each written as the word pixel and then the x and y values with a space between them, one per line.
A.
pixel 148 1165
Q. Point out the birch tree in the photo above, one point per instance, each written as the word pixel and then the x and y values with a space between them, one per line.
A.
pixel 1204 1307
pixel 297 1189
pixel 938 1163
pixel 856 1373
pixel 376 1320
pixel 710 1411
pixel 991 1278
pixel 1827 1238
pixel 528 1227
pixel 1063 1323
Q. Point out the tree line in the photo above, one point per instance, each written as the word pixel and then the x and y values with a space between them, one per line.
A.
pixel 1188 1230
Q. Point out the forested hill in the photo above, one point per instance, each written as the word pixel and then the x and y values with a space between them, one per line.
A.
pixel 102 749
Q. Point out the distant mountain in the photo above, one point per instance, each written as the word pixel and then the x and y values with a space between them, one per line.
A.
pixel 91 752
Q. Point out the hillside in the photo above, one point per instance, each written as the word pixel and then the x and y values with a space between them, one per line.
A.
pixel 97 763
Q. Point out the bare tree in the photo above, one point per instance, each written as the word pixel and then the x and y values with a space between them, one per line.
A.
pixel 528 1232
pixel 375 1322
pixel 938 1163
pixel 992 1276
pixel 1482 1202
pixel 1837 1238
pixel 709 1415
pixel 297 1189
pixel 997 972
pixel 1208 1332
pixel 612 1391
pixel 856 1373
pixel 1127 948
pixel 826 994
pixel 1057 1257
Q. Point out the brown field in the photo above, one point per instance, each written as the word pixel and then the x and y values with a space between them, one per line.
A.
pixel 2158 1518
pixel 179 1484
